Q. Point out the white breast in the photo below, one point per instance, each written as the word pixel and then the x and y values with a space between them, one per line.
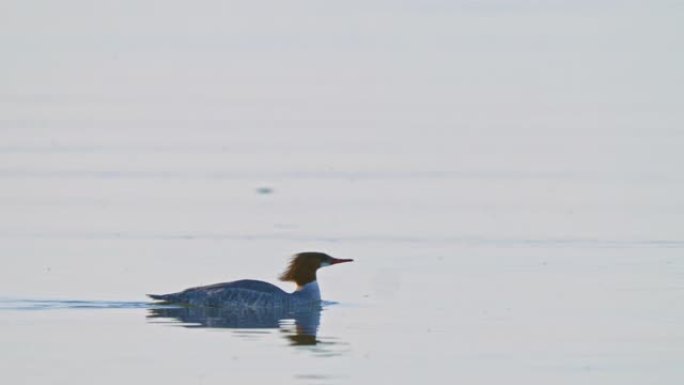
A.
pixel 309 292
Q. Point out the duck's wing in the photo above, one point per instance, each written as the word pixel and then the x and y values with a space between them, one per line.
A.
pixel 246 292
pixel 243 284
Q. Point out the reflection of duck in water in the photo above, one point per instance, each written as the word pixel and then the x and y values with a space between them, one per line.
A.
pixel 250 304
pixel 306 319
pixel 248 293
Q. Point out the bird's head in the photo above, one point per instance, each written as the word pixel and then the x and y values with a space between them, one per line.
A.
pixel 303 266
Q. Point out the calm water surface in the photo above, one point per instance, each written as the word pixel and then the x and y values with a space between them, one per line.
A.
pixel 506 177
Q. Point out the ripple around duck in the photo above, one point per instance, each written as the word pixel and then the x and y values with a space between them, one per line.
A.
pixel 54 304
pixel 299 325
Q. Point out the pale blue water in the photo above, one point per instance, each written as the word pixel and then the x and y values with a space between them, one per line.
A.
pixel 507 178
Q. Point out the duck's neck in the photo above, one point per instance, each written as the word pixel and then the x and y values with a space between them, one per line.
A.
pixel 309 291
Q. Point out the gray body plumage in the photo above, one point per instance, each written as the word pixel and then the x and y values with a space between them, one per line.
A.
pixel 243 293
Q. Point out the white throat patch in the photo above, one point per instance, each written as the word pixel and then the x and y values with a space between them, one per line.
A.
pixel 309 291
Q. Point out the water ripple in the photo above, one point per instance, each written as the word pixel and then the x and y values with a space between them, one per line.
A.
pixel 50 304
pixel 393 239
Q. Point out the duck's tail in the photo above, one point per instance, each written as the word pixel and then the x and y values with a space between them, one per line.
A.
pixel 159 297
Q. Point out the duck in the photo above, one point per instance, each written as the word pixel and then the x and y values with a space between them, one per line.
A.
pixel 250 293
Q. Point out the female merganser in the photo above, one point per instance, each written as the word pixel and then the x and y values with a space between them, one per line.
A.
pixel 252 293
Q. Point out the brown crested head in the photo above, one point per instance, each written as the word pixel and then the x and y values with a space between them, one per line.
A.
pixel 303 266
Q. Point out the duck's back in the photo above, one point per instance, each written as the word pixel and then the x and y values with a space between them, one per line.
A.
pixel 245 292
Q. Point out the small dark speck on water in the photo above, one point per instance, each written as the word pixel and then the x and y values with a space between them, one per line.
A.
pixel 264 190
